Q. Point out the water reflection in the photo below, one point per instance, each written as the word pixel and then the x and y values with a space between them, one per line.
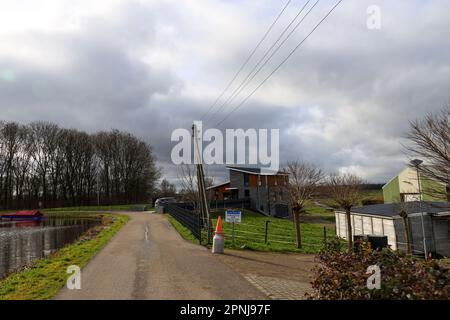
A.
pixel 21 242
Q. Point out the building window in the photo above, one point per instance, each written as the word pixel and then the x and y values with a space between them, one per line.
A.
pixel 247 193
pixel 246 178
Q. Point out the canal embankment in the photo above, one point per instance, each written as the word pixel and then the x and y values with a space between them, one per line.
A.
pixel 43 277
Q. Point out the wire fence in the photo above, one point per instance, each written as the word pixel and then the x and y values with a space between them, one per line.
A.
pixel 269 235
pixel 188 218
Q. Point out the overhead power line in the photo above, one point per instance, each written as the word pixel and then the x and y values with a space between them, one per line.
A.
pixel 258 67
pixel 280 65
pixel 248 59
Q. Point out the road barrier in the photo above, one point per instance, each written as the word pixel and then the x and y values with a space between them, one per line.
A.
pixel 218 240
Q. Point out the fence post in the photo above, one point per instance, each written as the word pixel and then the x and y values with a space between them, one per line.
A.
pixel 324 234
pixel 200 229
pixel 233 232
pixel 266 231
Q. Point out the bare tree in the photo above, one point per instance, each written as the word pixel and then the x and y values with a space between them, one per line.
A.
pixel 188 179
pixel 303 182
pixel 167 189
pixel 431 141
pixel 345 189
pixel 10 135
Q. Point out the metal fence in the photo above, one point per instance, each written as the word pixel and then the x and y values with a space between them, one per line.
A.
pixel 188 218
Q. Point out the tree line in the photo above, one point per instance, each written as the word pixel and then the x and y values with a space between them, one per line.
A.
pixel 44 165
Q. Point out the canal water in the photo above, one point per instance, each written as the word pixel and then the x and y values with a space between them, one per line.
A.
pixel 21 242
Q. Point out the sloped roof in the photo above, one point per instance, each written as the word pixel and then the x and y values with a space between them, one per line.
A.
pixel 393 209
pixel 218 185
pixel 259 171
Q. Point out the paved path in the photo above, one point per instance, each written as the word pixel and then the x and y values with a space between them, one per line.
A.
pixel 281 276
pixel 148 259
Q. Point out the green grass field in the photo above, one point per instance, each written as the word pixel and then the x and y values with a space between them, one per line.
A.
pixel 44 278
pixel 250 234
pixel 365 195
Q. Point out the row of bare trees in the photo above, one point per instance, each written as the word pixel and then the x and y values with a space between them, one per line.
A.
pixel 307 180
pixel 43 165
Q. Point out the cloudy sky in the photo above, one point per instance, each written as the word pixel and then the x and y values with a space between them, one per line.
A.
pixel 343 101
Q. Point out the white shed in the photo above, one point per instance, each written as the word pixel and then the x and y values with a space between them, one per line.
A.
pixel 385 220
pixel 364 224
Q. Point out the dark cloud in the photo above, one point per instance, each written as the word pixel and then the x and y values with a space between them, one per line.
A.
pixel 343 101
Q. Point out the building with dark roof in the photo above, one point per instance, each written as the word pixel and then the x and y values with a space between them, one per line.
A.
pixel 265 190
pixel 385 219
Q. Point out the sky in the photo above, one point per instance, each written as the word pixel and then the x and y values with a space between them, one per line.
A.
pixel 343 101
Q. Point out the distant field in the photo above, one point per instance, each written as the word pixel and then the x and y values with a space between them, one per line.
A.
pixel 365 195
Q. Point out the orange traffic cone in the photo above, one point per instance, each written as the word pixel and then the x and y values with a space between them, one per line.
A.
pixel 219 226
pixel 218 240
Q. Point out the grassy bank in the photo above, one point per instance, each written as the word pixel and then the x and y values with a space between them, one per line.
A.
pixel 46 277
pixel 250 234
pixel 120 207
pixel 182 230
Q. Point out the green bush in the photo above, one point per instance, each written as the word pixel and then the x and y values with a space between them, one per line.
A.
pixel 342 275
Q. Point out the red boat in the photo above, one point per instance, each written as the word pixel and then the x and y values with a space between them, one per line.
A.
pixel 33 215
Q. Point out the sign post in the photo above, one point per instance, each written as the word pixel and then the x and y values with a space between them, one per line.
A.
pixel 232 232
pixel 233 217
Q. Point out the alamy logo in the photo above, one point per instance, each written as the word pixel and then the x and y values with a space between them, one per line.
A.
pixel 374 19
pixel 374 280
pixel 239 146
pixel 74 280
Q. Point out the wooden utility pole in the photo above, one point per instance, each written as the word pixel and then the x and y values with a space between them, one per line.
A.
pixel 204 205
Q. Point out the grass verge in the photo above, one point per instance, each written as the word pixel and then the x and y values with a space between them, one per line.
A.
pixel 182 230
pixel 43 279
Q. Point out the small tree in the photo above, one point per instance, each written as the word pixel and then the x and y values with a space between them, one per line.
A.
pixel 188 180
pixel 167 189
pixel 403 210
pixel 345 189
pixel 303 181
